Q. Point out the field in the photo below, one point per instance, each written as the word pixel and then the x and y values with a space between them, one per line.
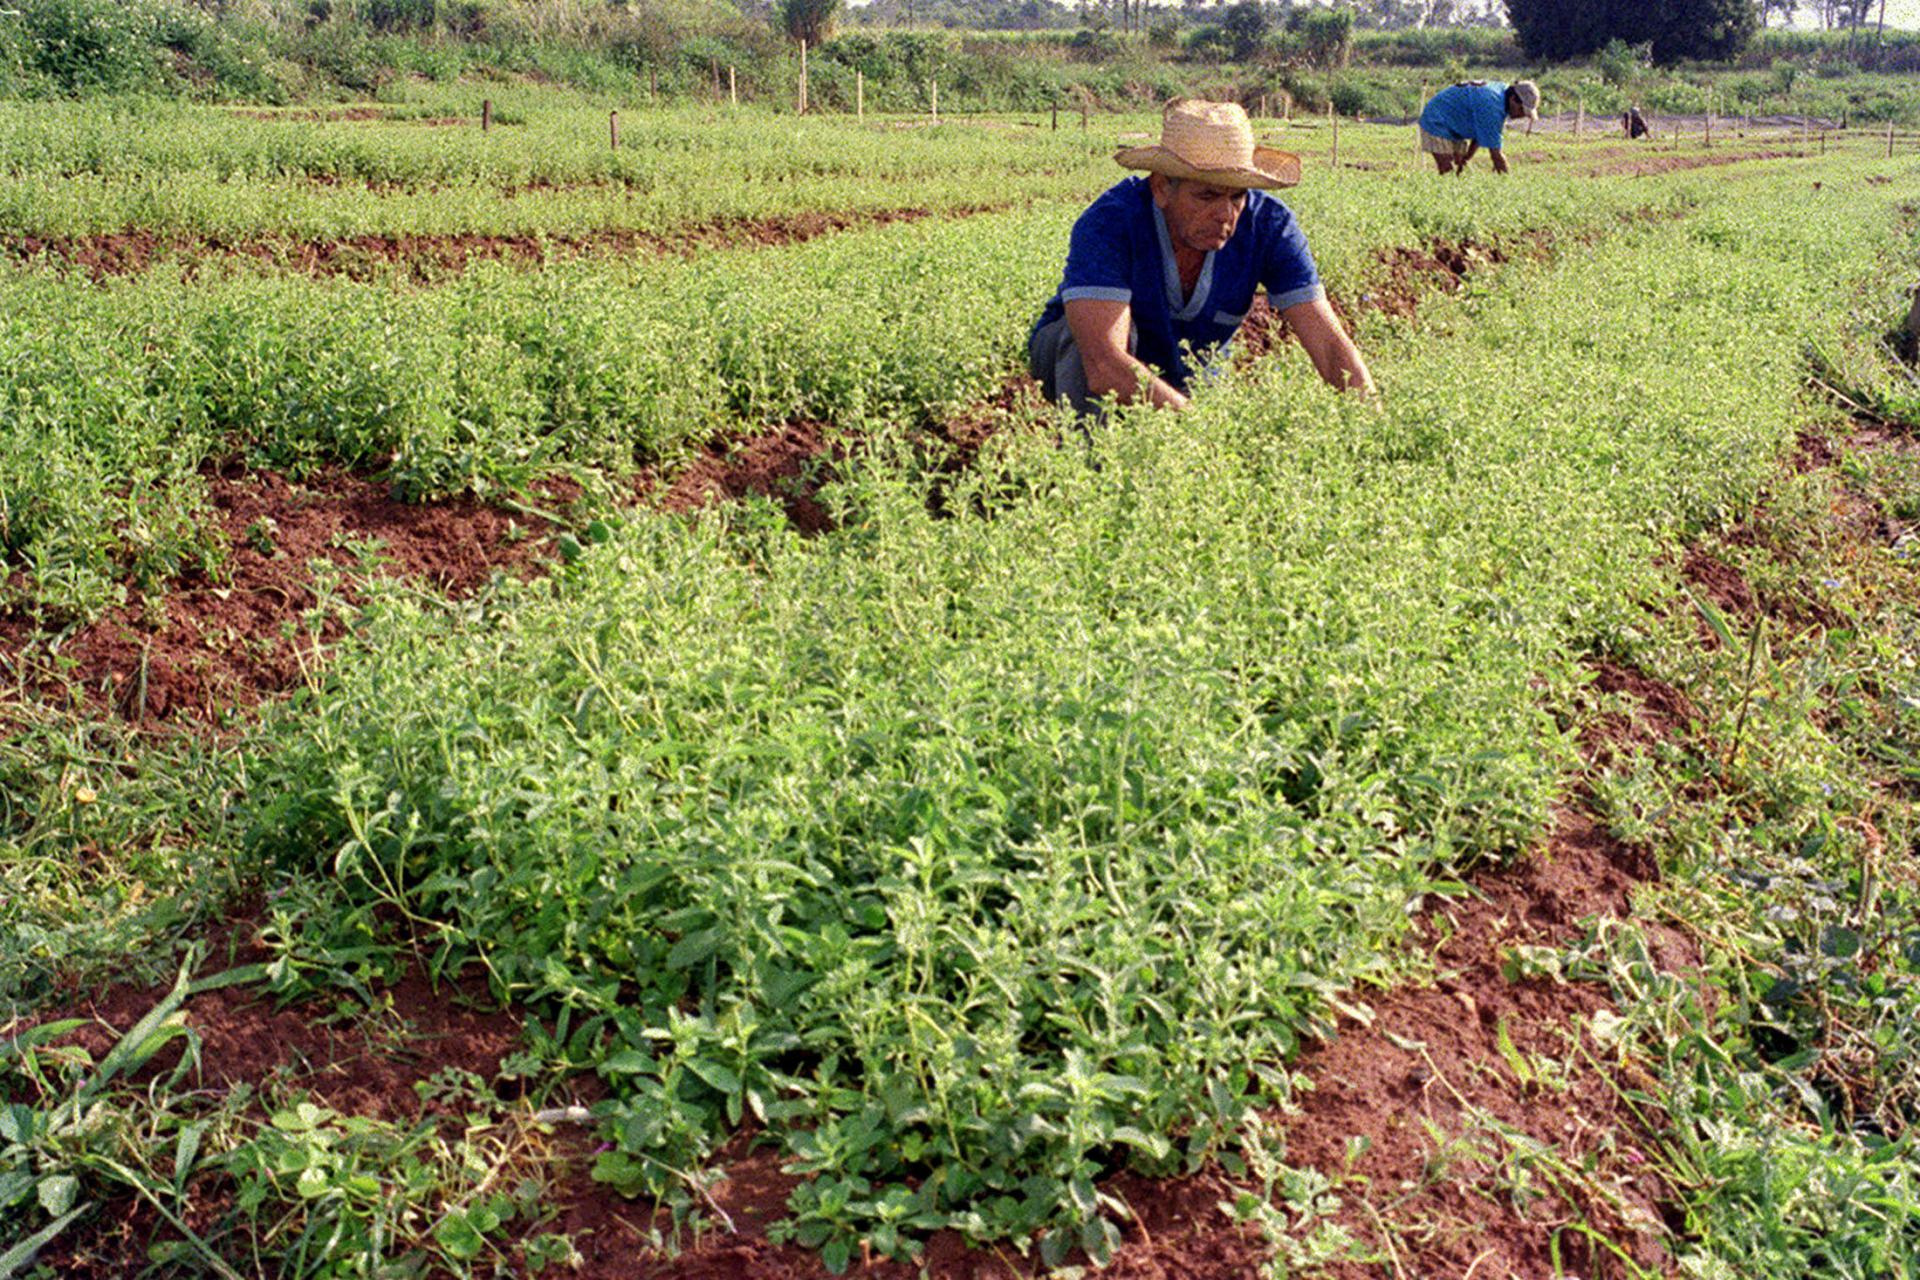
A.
pixel 568 710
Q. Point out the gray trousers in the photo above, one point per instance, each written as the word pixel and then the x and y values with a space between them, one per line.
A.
pixel 1054 361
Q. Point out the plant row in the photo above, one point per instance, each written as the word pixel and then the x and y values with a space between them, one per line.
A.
pixel 975 858
pixel 117 395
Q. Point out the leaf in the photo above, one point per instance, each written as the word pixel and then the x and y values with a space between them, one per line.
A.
pixel 628 1062
pixel 836 1256
pixel 458 1238
pixel 1100 1239
pixel 1153 1144
pixel 720 1077
pixel 57 1193
pixel 1715 621
pixel 693 948
pixel 185 1151
pixel 21 1256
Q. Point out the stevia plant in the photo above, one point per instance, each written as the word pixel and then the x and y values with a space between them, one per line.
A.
pixel 976 857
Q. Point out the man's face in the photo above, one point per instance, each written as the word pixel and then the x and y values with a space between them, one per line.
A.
pixel 1199 217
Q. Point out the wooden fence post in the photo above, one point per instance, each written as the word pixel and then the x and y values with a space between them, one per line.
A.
pixel 1083 110
pixel 1056 115
pixel 733 88
pixel 936 102
pixel 859 95
pixel 1580 122
pixel 1889 139
pixel 613 129
pixel 653 84
pixel 486 114
pixel 1333 118
pixel 803 77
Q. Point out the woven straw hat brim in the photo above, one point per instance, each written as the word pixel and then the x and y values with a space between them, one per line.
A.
pixel 1270 168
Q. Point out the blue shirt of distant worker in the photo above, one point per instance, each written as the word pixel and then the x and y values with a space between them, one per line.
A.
pixel 1162 270
pixel 1462 118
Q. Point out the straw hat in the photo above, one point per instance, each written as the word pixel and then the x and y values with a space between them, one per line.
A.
pixel 1527 93
pixel 1212 142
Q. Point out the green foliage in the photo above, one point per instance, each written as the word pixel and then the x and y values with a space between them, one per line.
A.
pixel 922 843
pixel 1619 63
pixel 1676 29
pixel 1326 35
pixel 86 47
pixel 810 20
pixel 974 856
pixel 1242 27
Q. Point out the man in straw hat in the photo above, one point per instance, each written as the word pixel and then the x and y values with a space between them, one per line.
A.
pixel 1462 118
pixel 1161 270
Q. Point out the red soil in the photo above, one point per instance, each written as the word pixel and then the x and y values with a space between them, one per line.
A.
pixel 1655 711
pixel 355 114
pixel 1648 165
pixel 208 645
pixel 430 257
pixel 787 464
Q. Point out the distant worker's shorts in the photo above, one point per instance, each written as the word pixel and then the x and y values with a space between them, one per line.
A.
pixel 1443 146
pixel 1054 360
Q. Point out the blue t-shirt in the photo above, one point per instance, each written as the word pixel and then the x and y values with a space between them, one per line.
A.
pixel 1468 112
pixel 1120 252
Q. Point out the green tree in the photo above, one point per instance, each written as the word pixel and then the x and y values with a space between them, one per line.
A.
pixel 809 20
pixel 1244 25
pixel 1325 34
pixel 1556 30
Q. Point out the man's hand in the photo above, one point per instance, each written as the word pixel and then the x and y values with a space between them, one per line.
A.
pixel 1460 162
pixel 1333 354
pixel 1100 332
pixel 1499 161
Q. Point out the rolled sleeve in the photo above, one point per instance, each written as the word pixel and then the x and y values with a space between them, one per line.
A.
pixel 1097 292
pixel 1286 270
pixel 1294 297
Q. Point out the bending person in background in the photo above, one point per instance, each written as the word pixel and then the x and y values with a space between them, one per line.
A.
pixel 1462 118
pixel 1161 270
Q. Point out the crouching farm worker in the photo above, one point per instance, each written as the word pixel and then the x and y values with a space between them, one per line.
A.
pixel 1462 118
pixel 1161 270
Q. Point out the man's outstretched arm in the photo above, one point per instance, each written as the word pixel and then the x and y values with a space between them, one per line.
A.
pixel 1499 160
pixel 1100 332
pixel 1460 163
pixel 1328 346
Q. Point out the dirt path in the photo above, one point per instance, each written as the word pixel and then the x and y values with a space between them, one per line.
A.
pixel 428 258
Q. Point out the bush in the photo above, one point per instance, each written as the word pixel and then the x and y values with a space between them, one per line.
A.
pixel 1095 44
pixel 1326 35
pixel 1620 63
pixel 90 46
pixel 388 16
pixel 1353 98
